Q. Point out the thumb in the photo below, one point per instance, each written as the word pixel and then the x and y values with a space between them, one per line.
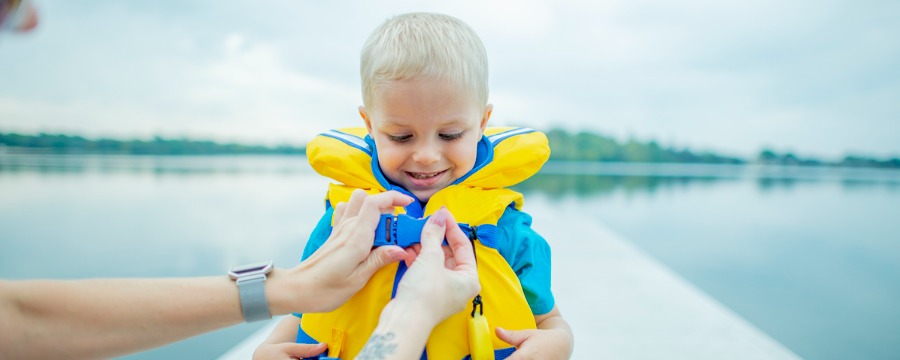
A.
pixel 305 350
pixel 433 233
pixel 380 257
pixel 513 337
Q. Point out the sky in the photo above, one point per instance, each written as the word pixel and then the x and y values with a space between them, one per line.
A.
pixel 818 78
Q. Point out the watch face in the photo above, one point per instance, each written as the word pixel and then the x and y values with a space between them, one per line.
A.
pixel 249 268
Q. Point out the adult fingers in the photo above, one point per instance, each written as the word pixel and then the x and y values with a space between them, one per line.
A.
pixel 460 245
pixel 357 197
pixel 373 206
pixel 433 234
pixel 380 257
pixel 338 213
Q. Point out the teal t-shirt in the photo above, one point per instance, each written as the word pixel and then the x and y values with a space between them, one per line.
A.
pixel 524 249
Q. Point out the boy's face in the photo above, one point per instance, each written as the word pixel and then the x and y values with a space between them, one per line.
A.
pixel 427 133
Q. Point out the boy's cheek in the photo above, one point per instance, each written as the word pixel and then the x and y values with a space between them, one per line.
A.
pixel 387 158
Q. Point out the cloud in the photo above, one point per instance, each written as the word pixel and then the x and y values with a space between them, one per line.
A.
pixel 820 78
pixel 247 93
pixel 252 89
pixel 725 76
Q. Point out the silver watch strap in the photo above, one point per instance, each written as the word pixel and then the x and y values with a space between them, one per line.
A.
pixel 254 304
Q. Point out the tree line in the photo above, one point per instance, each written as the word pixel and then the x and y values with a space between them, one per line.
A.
pixel 66 144
pixel 564 145
pixel 767 156
pixel 588 146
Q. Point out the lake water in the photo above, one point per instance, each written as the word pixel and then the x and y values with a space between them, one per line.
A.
pixel 809 256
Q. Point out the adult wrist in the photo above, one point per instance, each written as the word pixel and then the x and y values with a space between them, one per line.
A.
pixel 410 314
pixel 403 328
pixel 285 291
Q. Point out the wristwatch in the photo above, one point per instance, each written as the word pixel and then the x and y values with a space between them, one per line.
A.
pixel 251 283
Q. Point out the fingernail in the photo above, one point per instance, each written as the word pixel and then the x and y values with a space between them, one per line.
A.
pixel 439 217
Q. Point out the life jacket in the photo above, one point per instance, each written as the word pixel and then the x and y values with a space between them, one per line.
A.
pixel 506 156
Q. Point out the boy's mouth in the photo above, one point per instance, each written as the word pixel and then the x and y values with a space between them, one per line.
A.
pixel 424 179
pixel 424 175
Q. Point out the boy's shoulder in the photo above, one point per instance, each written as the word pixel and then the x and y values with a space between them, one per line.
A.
pixel 513 215
pixel 514 232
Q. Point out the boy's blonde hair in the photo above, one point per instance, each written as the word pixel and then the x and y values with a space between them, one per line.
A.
pixel 424 45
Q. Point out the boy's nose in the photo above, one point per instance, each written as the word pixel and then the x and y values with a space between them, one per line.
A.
pixel 427 155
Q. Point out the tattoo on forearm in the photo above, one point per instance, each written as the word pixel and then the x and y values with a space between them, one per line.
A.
pixel 378 347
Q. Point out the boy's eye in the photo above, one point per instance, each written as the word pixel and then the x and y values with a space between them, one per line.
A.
pixel 451 136
pixel 399 138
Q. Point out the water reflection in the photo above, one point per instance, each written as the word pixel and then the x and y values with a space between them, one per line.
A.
pixel 557 186
pixel 807 254
pixel 588 180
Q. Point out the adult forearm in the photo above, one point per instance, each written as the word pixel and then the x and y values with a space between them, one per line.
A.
pixel 401 333
pixel 107 317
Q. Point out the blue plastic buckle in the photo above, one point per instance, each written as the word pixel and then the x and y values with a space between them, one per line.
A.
pixel 401 230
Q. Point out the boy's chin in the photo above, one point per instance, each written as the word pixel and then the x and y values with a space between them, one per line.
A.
pixel 424 195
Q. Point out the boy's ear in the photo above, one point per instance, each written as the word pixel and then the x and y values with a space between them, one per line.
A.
pixel 487 115
pixel 365 117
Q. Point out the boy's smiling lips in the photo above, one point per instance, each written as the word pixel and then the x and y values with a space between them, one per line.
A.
pixel 425 179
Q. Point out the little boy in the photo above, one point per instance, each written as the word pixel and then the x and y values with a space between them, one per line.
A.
pixel 425 90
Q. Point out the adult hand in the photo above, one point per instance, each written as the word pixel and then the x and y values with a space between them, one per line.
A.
pixel 433 289
pixel 441 280
pixel 346 261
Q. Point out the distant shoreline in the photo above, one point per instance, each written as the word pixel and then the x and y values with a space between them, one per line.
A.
pixel 73 144
pixel 566 147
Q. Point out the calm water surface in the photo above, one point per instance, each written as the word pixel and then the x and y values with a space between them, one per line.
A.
pixel 811 257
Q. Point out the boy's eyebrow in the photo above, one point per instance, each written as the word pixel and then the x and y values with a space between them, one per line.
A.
pixel 452 121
